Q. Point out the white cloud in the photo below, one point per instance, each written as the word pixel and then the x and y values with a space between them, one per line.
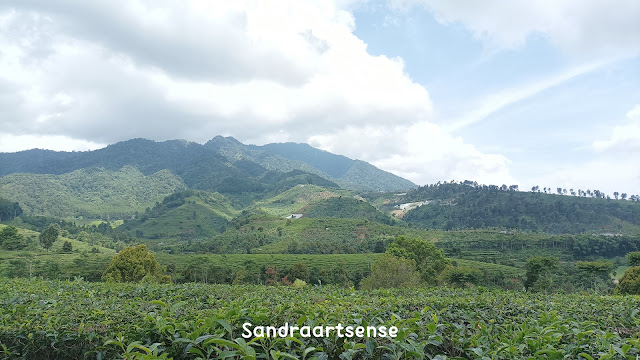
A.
pixel 258 71
pixel 422 152
pixel 13 143
pixel 624 138
pixel 583 28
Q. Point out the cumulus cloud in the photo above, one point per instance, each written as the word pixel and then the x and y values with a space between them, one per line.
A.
pixel 581 28
pixel 624 138
pixel 83 74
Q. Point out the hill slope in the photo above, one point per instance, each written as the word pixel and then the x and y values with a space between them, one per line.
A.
pixel 89 193
pixel 350 174
pixel 185 215
pixel 458 206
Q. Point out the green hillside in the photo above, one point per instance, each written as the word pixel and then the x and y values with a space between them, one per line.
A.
pixel 89 193
pixel 78 246
pixel 346 208
pixel 184 215
pixel 460 206
pixel 296 198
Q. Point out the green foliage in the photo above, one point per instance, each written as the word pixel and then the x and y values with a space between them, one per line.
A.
pixel 135 264
pixel 49 236
pixel 468 206
pixel 67 247
pixel 299 271
pixel 596 273
pixel 389 271
pixel 9 210
pixel 462 276
pixel 633 258
pixel 299 283
pixel 430 260
pixel 629 283
pixel 196 321
pixel 201 269
pixel 10 239
pixel 539 269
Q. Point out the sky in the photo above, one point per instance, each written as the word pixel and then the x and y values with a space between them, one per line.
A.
pixel 509 92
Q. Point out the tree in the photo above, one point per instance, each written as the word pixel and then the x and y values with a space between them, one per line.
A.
pixel 616 194
pixel 49 236
pixel 389 271
pixel 67 248
pixel 135 264
pixel 10 239
pixel 538 276
pixel 623 196
pixel 430 260
pixel 461 276
pixel 299 271
pixel 629 282
pixel 9 210
pixel 633 258
pixel 596 270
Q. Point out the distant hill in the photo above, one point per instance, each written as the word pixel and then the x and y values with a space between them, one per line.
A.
pixel 184 215
pixel 460 206
pixel 89 193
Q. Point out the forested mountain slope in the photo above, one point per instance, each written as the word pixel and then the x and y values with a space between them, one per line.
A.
pixel 460 206
pixel 222 164
pixel 89 193
pixel 348 173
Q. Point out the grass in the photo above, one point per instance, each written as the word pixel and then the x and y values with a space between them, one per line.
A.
pixel 78 246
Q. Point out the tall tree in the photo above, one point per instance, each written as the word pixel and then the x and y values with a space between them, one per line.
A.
pixel 49 236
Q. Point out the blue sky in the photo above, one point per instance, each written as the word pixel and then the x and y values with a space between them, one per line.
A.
pixel 517 92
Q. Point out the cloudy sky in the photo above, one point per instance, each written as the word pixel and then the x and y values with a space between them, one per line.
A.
pixel 498 91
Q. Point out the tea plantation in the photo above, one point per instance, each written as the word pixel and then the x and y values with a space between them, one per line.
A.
pixel 81 320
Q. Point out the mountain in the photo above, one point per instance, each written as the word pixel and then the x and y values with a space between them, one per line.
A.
pixel 349 174
pixel 222 164
pixel 129 176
